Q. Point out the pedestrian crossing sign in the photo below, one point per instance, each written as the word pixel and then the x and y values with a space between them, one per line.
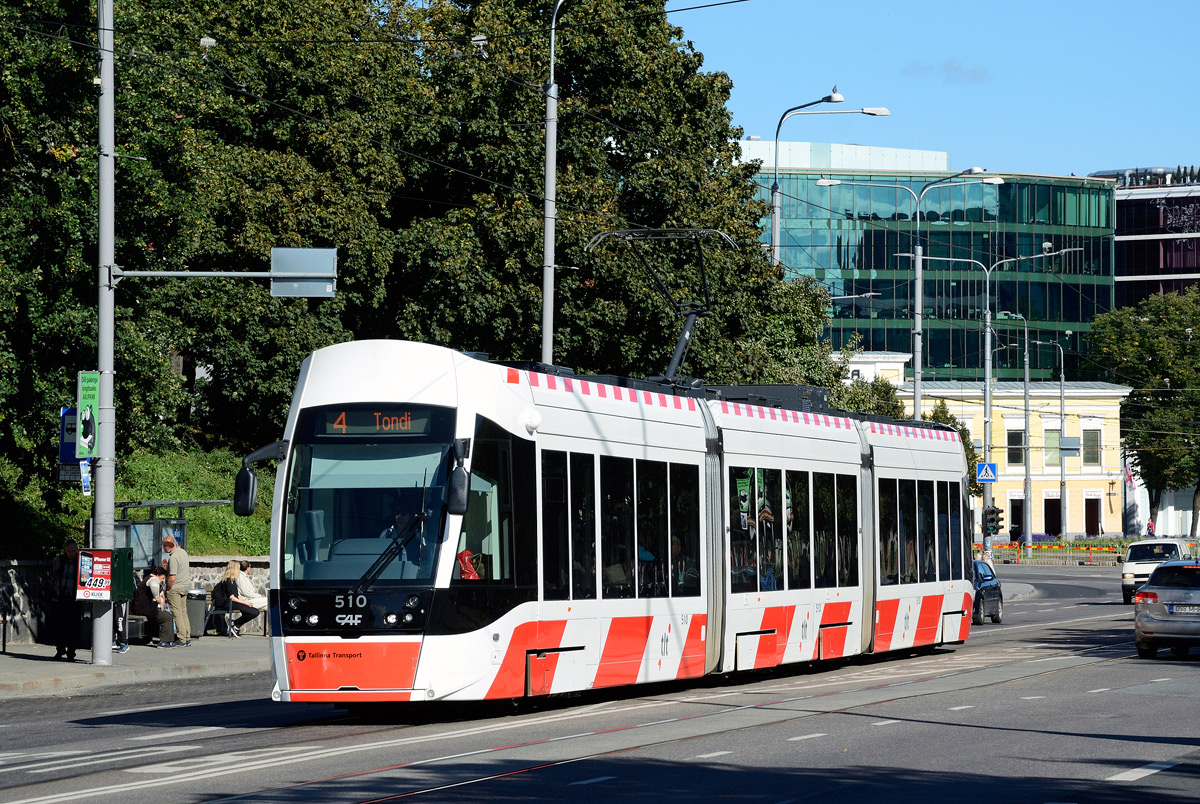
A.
pixel 985 472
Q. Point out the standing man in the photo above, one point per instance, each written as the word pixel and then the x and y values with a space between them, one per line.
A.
pixel 178 575
pixel 68 613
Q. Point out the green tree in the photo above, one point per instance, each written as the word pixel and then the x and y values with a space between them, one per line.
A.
pixel 1155 348
pixel 942 415
pixel 393 133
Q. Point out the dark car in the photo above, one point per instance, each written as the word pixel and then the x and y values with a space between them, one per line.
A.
pixel 1167 609
pixel 989 597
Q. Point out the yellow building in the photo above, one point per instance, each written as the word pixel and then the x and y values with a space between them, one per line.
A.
pixel 1093 478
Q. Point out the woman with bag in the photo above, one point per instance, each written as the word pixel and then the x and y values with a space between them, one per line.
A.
pixel 225 597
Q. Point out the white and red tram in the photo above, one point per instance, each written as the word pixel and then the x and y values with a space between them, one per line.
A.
pixel 445 528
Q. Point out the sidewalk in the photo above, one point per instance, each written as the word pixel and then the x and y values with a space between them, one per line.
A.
pixel 30 670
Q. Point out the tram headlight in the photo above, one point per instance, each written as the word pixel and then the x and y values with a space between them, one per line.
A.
pixel 411 602
pixel 294 603
pixel 313 619
pixel 408 617
pixel 390 618
pixel 297 619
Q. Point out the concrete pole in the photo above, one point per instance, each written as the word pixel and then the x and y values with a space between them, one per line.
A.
pixel 776 248
pixel 1062 431
pixel 987 388
pixel 1027 506
pixel 104 475
pixel 551 191
pixel 918 333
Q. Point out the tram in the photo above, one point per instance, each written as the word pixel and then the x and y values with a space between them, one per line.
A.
pixel 448 528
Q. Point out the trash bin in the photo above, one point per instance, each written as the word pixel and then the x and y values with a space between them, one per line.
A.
pixel 195 611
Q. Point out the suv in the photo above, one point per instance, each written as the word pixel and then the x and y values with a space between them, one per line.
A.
pixel 1142 557
pixel 1167 610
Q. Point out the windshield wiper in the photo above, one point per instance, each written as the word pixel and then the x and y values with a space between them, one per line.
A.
pixel 399 542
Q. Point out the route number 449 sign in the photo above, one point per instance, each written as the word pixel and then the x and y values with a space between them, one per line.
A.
pixel 95 575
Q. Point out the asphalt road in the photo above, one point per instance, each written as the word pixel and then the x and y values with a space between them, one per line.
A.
pixel 1050 706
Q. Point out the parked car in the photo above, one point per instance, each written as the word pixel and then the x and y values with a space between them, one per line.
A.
pixel 1167 609
pixel 989 596
pixel 1143 556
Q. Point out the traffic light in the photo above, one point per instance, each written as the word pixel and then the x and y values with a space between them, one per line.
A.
pixel 991 520
pixel 998 519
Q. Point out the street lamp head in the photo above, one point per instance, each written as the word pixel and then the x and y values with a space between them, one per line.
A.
pixel 971 171
pixel 833 97
pixel 877 111
pixel 1068 333
pixel 1047 247
pixel 992 180
pixel 823 182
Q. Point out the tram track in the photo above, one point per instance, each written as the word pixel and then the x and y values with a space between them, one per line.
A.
pixel 928 685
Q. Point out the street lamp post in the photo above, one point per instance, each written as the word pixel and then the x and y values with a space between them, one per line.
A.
pixel 1027 503
pixel 551 193
pixel 987 342
pixel 918 264
pixel 1062 431
pixel 832 97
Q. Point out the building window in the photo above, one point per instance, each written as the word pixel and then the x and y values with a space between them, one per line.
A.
pixel 1051 453
pixel 1016 448
pixel 1091 447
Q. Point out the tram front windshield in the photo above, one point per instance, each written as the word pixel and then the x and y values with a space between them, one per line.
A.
pixel 364 497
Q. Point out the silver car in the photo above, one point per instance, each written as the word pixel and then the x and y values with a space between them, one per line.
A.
pixel 1167 609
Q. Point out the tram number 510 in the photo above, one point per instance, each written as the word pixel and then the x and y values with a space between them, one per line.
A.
pixel 350 601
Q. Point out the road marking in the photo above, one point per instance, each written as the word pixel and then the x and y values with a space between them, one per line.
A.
pixel 806 736
pixel 1153 680
pixel 592 781
pixel 141 752
pixel 1142 772
pixel 713 754
pixel 143 709
pixel 884 722
pixel 16 755
pixel 960 708
pixel 1033 697
pixel 174 734
pixel 1100 689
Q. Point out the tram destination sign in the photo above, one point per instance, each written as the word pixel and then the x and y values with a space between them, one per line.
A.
pixel 374 421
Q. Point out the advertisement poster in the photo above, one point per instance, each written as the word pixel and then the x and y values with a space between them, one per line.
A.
pixel 95 575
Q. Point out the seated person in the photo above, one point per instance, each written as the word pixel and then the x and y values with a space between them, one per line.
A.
pixel 149 601
pixel 225 596
pixel 246 590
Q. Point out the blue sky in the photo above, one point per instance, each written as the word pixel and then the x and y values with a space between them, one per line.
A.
pixel 1053 87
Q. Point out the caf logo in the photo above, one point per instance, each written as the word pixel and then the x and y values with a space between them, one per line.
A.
pixel 301 656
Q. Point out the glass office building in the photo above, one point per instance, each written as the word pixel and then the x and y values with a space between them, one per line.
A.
pixel 857 239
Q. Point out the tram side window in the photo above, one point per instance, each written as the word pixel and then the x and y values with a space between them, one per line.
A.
pixel 583 526
pixel 953 505
pixel 847 530
pixel 653 566
pixel 743 532
pixel 616 539
pixel 685 530
pixel 824 530
pixel 908 531
pixel 500 526
pixel 770 530
pixel 556 557
pixel 943 529
pixel 799 543
pixel 889 533
pixel 926 517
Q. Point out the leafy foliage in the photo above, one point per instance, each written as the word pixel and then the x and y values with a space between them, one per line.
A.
pixel 1155 348
pixel 394 134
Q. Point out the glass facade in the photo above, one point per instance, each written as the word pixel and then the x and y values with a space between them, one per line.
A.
pixel 853 239
pixel 1148 259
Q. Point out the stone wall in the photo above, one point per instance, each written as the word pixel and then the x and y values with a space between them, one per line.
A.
pixel 25 593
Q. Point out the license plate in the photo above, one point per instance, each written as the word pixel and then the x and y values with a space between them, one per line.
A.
pixel 1177 608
